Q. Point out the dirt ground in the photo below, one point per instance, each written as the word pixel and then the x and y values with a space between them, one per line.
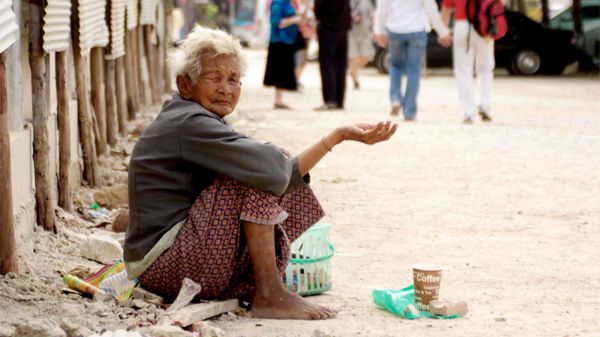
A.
pixel 511 208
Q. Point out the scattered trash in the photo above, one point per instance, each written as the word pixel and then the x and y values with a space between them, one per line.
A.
pixel 427 281
pixel 80 285
pixel 101 213
pixel 119 285
pixel 402 303
pixel 111 280
pixel 189 289
pixel 446 308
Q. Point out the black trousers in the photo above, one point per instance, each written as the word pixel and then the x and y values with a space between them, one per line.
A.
pixel 333 60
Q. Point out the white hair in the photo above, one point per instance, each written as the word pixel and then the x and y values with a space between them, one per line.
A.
pixel 185 59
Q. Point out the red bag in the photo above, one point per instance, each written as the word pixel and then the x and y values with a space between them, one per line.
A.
pixel 487 16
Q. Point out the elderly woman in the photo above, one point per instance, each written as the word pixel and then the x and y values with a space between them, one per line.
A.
pixel 213 205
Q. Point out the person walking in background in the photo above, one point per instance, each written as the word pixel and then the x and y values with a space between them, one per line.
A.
pixel 360 45
pixel 402 24
pixel 470 50
pixel 307 31
pixel 280 67
pixel 333 23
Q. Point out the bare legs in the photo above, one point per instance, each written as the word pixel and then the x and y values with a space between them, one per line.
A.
pixel 272 299
pixel 279 100
pixel 356 64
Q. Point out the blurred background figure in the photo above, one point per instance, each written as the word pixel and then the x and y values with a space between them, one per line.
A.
pixel 403 24
pixel 360 45
pixel 334 21
pixel 280 69
pixel 308 30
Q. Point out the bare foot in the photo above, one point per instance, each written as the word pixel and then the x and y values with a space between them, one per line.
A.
pixel 282 304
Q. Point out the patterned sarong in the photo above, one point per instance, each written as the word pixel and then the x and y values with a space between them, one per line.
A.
pixel 210 247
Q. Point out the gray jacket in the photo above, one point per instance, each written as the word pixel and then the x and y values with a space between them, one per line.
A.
pixel 180 154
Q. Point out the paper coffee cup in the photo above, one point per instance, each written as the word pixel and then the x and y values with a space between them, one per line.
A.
pixel 426 280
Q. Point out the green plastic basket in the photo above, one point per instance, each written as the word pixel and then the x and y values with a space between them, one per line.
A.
pixel 309 270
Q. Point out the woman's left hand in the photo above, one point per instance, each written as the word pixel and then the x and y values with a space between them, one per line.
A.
pixel 369 133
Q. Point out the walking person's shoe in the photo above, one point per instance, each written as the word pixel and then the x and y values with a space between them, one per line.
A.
pixel 410 118
pixel 395 109
pixel 485 116
pixel 468 120
pixel 327 106
pixel 281 106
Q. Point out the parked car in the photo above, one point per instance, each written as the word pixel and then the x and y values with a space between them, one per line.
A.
pixel 590 15
pixel 251 24
pixel 528 48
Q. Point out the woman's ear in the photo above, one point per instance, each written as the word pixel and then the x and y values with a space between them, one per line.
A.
pixel 184 85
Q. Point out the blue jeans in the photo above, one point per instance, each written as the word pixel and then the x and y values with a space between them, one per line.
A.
pixel 406 54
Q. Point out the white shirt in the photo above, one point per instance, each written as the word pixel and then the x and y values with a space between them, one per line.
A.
pixel 408 16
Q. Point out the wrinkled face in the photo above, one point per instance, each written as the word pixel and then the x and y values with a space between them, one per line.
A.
pixel 218 85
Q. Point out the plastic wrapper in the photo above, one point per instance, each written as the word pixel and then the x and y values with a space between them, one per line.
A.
pixel 80 285
pixel 402 303
pixel 189 290
pixel 110 279
pixel 118 285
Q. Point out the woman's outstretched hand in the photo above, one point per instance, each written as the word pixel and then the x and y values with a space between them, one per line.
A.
pixel 369 133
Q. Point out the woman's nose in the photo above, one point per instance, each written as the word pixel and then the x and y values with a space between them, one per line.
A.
pixel 225 87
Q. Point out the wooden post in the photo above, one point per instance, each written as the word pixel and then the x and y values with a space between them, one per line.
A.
pixel 86 134
pixel 138 51
pixel 44 191
pixel 133 96
pixel 98 96
pixel 8 250
pixel 121 101
pixel 165 46
pixel 64 129
pixel 150 62
pixel 158 70
pixel 111 103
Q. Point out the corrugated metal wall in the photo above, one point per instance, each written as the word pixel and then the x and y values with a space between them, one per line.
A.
pixel 93 31
pixel 57 25
pixel 148 12
pixel 9 31
pixel 116 47
pixel 132 14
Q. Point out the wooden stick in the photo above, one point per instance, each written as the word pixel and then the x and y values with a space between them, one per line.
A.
pixel 111 103
pixel 64 129
pixel 8 251
pixel 165 46
pixel 121 103
pixel 88 151
pixel 98 96
pixel 151 62
pixel 198 312
pixel 44 191
pixel 138 65
pixel 130 79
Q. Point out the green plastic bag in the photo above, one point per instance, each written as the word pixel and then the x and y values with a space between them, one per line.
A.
pixel 402 303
